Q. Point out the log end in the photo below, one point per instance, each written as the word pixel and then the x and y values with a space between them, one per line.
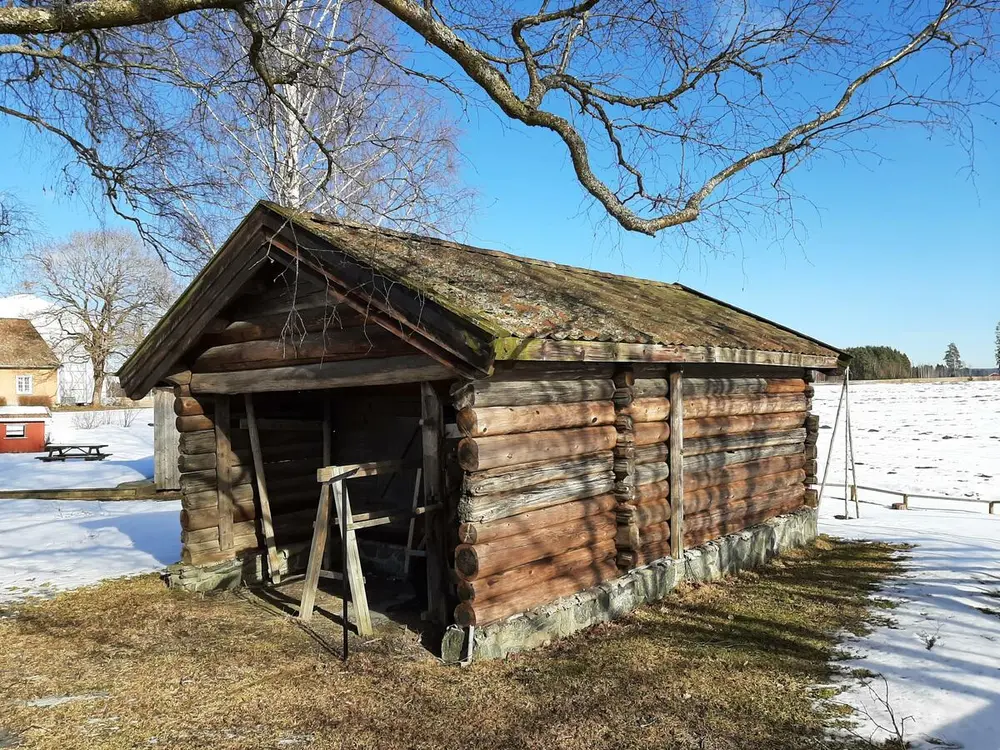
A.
pixel 466 562
pixel 468 454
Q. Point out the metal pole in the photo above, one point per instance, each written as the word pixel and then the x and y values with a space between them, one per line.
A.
pixel 345 521
pixel 847 448
pixel 850 443
pixel 829 453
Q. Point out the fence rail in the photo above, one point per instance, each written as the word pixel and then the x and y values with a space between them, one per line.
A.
pixel 993 504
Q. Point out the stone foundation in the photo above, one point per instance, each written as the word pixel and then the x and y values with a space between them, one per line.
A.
pixel 750 548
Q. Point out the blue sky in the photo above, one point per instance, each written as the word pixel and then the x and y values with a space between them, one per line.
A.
pixel 902 253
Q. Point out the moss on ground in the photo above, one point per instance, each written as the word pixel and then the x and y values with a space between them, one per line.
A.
pixel 729 665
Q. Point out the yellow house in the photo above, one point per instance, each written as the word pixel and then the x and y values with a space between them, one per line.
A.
pixel 29 369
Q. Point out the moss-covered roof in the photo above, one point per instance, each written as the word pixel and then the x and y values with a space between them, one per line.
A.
pixel 22 346
pixel 509 295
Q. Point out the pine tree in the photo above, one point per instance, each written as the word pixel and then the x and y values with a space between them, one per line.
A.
pixel 952 359
pixel 997 351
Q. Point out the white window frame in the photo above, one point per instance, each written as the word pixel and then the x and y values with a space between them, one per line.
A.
pixel 22 427
pixel 25 390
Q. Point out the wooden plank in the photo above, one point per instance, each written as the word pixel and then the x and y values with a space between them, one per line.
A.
pixel 368 469
pixel 550 350
pixel 317 548
pixel 716 386
pixel 273 564
pixel 166 441
pixel 223 469
pixel 432 429
pixel 355 577
pixel 676 462
pixel 358 372
pixel 110 494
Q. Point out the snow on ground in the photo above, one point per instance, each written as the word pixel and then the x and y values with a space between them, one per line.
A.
pixel 48 545
pixel 941 658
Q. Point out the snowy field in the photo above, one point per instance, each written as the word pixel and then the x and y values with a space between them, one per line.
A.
pixel 48 545
pixel 940 659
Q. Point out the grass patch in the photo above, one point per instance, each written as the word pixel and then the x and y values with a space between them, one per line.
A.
pixel 725 666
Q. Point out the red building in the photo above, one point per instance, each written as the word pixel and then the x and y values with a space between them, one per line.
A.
pixel 23 428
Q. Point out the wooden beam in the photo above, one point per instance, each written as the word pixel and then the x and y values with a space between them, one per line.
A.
pixel 166 441
pixel 223 472
pixel 550 350
pixel 273 564
pixel 369 469
pixel 432 428
pixel 359 372
pixel 676 461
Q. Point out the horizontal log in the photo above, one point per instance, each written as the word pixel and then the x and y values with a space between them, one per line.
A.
pixel 656 532
pixel 274 326
pixel 709 461
pixel 192 520
pixel 650 388
pixel 211 533
pixel 526 524
pixel 357 372
pixel 478 560
pixel 696 387
pixel 195 423
pixel 480 613
pixel 697 501
pixel 652 492
pixel 747 509
pixel 332 346
pixel 655 453
pixel 739 472
pixel 654 409
pixel 481 393
pixel 739 441
pixel 475 454
pixel 274 455
pixel 505 420
pixel 647 433
pixel 188 406
pixel 483 508
pixel 527 576
pixel 651 473
pixel 197 442
pixel 707 426
pixel 241 542
pixel 646 554
pixel 502 479
pixel 731 406
pixel 649 512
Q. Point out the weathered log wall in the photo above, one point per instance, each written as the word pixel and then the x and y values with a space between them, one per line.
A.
pixel 567 475
pixel 538 492
pixel 746 454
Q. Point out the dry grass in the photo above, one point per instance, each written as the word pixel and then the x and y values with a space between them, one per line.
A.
pixel 727 665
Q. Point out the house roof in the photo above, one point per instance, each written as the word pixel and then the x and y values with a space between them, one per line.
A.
pixel 468 307
pixel 22 346
pixel 520 297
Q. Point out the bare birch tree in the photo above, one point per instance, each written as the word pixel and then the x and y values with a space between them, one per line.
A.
pixel 106 291
pixel 669 112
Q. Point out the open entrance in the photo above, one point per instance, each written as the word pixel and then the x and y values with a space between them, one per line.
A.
pixel 301 432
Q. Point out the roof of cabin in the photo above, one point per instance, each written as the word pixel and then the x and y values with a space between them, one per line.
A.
pixel 22 346
pixel 469 307
pixel 528 298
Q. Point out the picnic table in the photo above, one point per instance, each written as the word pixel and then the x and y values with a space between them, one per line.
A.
pixel 65 452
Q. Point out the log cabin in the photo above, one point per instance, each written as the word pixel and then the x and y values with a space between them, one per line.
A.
pixel 566 426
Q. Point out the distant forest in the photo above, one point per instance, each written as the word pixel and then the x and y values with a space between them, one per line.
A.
pixel 886 363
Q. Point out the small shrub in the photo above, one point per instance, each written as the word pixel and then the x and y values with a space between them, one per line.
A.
pixel 89 420
pixel 3 401
pixel 45 401
pixel 127 417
